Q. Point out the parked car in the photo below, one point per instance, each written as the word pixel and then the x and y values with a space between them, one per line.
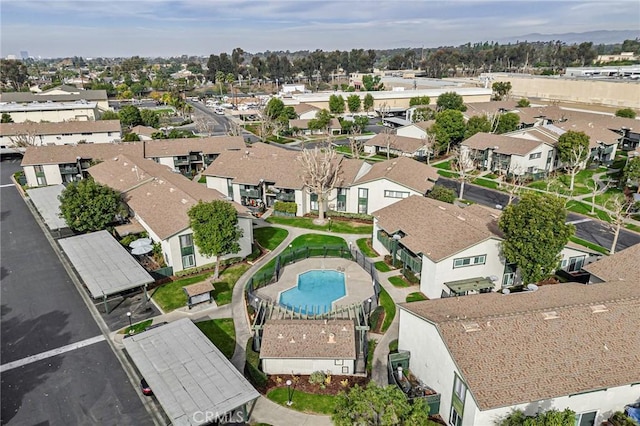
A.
pixel 144 386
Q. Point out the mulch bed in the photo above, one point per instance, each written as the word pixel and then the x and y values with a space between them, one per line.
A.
pixel 303 384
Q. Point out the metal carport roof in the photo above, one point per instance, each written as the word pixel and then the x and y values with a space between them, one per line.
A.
pixel 103 264
pixel 187 373
pixel 45 199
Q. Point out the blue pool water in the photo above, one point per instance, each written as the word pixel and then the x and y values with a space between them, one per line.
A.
pixel 315 292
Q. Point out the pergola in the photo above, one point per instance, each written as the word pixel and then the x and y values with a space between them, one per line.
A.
pixel 46 201
pixel 461 287
pixel 105 267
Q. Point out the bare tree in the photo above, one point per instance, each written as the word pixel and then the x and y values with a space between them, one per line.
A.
pixel 320 170
pixel 461 164
pixel 28 137
pixel 596 189
pixel 203 124
pixel 575 161
pixel 355 145
pixel 514 187
pixel 233 129
pixel 429 141
pixel 619 208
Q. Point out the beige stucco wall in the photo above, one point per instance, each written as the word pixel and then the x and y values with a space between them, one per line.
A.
pixel 598 92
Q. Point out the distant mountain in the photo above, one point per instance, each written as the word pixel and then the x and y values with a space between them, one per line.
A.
pixel 597 37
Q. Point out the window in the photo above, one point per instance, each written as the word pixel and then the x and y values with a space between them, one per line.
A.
pixel 363 200
pixel 586 419
pixel 40 177
pixel 469 261
pixel 345 370
pixel 396 194
pixel 338 362
pixel 186 251
pixel 575 263
pixel 455 419
pixel 313 202
pixel 457 401
pixel 535 155
pixel 459 388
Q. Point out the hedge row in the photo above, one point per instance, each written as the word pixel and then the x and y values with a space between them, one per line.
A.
pixel 346 215
pixel 207 267
pixel 285 207
pixel 252 367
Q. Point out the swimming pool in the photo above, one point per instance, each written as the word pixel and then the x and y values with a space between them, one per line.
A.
pixel 315 292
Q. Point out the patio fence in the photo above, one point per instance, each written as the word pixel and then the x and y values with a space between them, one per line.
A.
pixel 274 269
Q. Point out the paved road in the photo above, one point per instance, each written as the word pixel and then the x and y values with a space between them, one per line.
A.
pixel 81 381
pixel 591 230
pixel 221 122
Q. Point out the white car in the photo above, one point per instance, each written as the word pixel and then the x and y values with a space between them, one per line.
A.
pixel 219 111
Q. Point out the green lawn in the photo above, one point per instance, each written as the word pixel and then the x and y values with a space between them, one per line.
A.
pixel 171 296
pixel 399 281
pixel 602 199
pixel 270 237
pixel 393 346
pixel 585 209
pixel 589 245
pixel 363 245
pixel 137 328
pixel 338 226
pixel 302 401
pixel 447 174
pixel 415 297
pixel 491 184
pixel 222 333
pixel 389 309
pixel 445 165
pixel 632 227
pixel 203 179
pixel 382 266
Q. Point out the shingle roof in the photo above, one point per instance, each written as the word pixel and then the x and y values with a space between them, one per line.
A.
pixel 143 130
pixel 304 124
pixel 308 339
pixel 302 108
pixel 20 97
pixel 404 171
pixel 525 357
pixel 621 266
pixel 159 196
pixel 437 229
pixel 485 108
pixel 61 154
pixel 400 143
pixel 531 114
pixel 100 126
pixel 503 144
pixel 596 131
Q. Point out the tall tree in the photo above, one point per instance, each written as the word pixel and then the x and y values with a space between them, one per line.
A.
pixel 507 122
pixel 150 118
pixel 535 231
pixel 376 405
pixel 320 170
pixel 573 150
pixel 336 104
pixel 501 89
pixel 477 124
pixel 551 417
pixel 87 206
pixel 619 208
pixel 14 72
pixel 419 101
pixel 450 100
pixel 631 173
pixel 6 118
pixel 372 83
pixel 130 116
pixel 449 129
pixel 626 113
pixel 368 102
pixel 354 102
pixel 215 229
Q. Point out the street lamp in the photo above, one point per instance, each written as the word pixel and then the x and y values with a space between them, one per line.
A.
pixel 396 239
pixel 329 219
pixel 289 393
pixel 369 301
pixel 130 325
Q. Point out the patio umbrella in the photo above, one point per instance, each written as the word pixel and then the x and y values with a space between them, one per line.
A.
pixel 142 250
pixel 141 242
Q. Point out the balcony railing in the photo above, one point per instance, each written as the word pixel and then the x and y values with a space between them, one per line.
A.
pixel 68 170
pixel 251 193
pixel 284 196
pixel 181 161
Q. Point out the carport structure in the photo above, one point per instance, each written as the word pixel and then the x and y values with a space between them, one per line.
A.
pixel 46 201
pixel 105 267
pixel 190 377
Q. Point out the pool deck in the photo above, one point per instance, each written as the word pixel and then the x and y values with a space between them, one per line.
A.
pixel 358 283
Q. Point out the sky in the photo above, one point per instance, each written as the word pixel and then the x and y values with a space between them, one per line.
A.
pixel 149 28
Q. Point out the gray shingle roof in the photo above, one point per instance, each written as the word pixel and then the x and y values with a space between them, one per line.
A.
pixel 525 357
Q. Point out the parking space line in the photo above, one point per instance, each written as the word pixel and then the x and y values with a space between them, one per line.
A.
pixel 51 353
pixel 6 185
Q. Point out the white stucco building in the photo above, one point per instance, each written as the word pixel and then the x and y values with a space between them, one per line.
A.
pixel 561 346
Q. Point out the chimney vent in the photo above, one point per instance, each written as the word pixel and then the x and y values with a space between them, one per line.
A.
pixel 332 338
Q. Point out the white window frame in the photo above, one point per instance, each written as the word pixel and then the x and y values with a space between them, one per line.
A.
pixel 463 262
pixel 396 194
pixel 579 418
pixel 535 155
pixel 455 419
pixel 188 261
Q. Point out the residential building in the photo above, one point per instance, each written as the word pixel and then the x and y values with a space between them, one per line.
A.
pixel 308 346
pixel 563 346
pixel 53 112
pixel 417 130
pixel 263 174
pixel 305 111
pixel 396 145
pixel 505 154
pixel 159 199
pixel 59 94
pixel 621 266
pixel 145 133
pixel 302 126
pixel 454 251
pixel 21 135
pixel 53 165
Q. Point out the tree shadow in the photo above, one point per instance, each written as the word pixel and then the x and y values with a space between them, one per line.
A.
pixel 20 381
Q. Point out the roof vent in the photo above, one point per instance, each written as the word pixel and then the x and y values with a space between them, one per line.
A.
pixel 171 189
pixel 461 218
pixel 550 315
pixel 332 338
pixel 595 309
pixel 292 340
pixel 322 331
pixel 471 326
pixel 304 336
pixel 344 328
pixel 441 208
pixel 280 336
pixel 183 201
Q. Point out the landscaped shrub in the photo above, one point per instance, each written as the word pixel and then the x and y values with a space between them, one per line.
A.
pixel 252 367
pixel 355 216
pixel 207 267
pixel 376 319
pixel 288 208
pixel 318 378
pixel 410 276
